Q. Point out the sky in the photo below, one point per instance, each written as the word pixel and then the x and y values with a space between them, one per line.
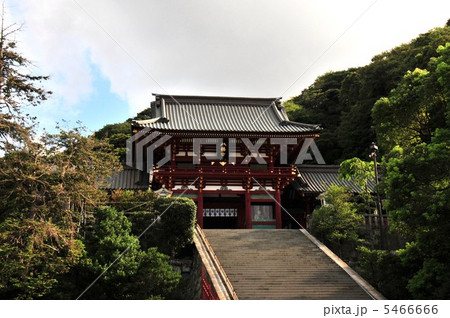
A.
pixel 105 58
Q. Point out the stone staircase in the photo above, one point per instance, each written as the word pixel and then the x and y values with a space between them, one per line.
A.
pixel 281 264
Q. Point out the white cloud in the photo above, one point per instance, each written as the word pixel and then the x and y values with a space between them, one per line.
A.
pixel 252 48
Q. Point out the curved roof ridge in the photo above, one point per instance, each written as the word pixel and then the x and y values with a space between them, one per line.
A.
pixel 216 113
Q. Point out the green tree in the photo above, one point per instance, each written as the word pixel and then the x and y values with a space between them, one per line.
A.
pixel 133 201
pixel 442 75
pixel 137 274
pixel 319 104
pixel 336 222
pixel 32 253
pixel 175 219
pixel 174 229
pixel 342 101
pixel 385 271
pixel 412 125
pixel 418 199
pixel 18 89
pixel 360 173
pixel 411 113
pixel 116 135
pixel 46 193
pixel 38 228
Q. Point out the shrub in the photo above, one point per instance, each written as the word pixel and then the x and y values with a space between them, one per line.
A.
pixel 173 230
pixel 137 274
pixel 385 271
pixel 336 222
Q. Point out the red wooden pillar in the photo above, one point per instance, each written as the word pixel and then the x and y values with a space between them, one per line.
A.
pixel 200 207
pixel 308 205
pixel 278 208
pixel 248 209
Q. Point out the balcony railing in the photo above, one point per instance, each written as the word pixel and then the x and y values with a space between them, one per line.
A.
pixel 231 170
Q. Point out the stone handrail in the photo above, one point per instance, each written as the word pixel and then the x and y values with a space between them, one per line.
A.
pixel 369 289
pixel 219 278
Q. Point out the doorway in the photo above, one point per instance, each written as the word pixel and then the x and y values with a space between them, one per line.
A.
pixel 221 213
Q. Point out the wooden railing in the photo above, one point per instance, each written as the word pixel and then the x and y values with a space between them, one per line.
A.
pixel 232 170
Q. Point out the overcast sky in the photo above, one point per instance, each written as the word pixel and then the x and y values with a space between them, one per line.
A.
pixel 106 57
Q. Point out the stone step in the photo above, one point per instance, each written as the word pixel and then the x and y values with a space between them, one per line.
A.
pixel 280 264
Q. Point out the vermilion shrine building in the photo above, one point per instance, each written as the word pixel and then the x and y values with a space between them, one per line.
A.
pixel 242 161
pixel 236 189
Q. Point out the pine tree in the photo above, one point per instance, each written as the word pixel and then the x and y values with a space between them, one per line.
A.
pixel 18 89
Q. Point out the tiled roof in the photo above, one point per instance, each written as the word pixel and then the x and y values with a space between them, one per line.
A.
pixel 230 114
pixel 127 179
pixel 317 179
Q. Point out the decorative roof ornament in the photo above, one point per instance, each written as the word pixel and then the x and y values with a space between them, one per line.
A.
pixel 163 192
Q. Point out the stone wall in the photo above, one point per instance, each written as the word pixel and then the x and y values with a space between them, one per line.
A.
pixel 190 287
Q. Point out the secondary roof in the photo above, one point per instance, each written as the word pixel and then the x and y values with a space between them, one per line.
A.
pixel 318 178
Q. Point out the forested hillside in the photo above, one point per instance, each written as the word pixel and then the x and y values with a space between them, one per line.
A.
pixel 401 100
pixel 342 101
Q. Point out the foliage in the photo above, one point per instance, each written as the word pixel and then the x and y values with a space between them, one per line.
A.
pixel 116 135
pixel 359 172
pixel 442 75
pixel 18 89
pixel 417 184
pixel 171 232
pixel 337 222
pixel 418 198
pixel 174 229
pixel 413 127
pixel 294 110
pixel 32 253
pixel 385 271
pixel 319 104
pixel 434 273
pixel 342 101
pixel 62 173
pixel 407 92
pixel 133 201
pixel 411 113
pixel 47 190
pixel 46 185
pixel 145 114
pixel 135 274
